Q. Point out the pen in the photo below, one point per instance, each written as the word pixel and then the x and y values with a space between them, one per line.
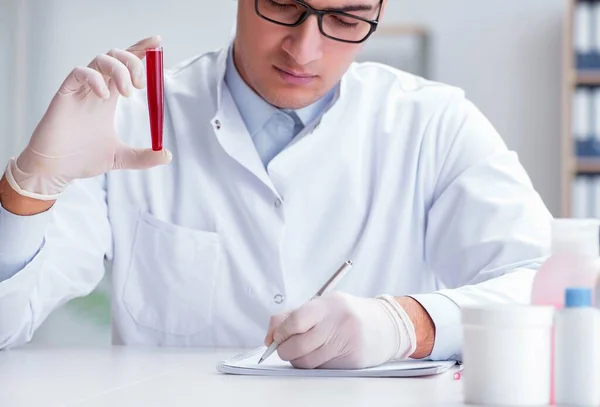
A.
pixel 155 90
pixel 328 286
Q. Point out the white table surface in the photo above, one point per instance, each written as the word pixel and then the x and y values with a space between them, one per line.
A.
pixel 125 376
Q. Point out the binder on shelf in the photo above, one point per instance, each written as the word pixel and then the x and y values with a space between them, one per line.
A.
pixel 595 120
pixel 595 32
pixel 583 34
pixel 586 122
pixel 581 205
pixel 581 113
pixel 595 212
pixel 585 197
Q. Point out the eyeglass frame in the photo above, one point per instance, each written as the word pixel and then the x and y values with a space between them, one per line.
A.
pixel 320 14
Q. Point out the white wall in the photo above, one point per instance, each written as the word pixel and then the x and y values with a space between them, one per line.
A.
pixel 7 40
pixel 504 53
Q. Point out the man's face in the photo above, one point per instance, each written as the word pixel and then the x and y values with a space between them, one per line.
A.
pixel 292 67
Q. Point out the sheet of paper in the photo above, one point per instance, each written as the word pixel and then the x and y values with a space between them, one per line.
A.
pixel 247 364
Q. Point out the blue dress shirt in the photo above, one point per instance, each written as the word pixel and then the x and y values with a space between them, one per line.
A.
pixel 271 128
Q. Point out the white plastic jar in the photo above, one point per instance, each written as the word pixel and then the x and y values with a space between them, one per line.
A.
pixel 507 355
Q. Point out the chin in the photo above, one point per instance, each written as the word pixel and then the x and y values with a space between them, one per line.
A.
pixel 291 99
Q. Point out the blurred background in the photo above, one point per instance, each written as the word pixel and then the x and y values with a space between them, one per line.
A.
pixel 515 59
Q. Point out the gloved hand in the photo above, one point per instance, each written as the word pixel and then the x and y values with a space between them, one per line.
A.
pixel 76 137
pixel 341 331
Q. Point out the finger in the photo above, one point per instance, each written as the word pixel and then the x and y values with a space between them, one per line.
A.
pixel 317 358
pixel 274 323
pixel 139 48
pixel 139 159
pixel 299 321
pixel 116 70
pixel 301 345
pixel 132 63
pixel 84 76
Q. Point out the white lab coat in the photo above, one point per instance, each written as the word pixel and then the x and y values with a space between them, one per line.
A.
pixel 402 176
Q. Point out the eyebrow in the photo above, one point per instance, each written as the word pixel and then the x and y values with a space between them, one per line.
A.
pixel 354 7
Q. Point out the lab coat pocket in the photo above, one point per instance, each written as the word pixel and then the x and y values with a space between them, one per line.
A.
pixel 171 278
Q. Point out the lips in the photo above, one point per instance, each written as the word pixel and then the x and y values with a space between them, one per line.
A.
pixel 293 77
pixel 297 74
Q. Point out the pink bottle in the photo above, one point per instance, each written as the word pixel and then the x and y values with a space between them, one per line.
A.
pixel 574 262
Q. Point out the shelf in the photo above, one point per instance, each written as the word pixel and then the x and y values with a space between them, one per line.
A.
pixel 588 78
pixel 588 166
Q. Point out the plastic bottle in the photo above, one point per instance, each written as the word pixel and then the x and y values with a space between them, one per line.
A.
pixel 577 350
pixel 574 261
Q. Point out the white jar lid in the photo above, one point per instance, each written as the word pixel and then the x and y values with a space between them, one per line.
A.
pixel 509 316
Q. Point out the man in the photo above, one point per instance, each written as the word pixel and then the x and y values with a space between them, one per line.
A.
pixel 285 159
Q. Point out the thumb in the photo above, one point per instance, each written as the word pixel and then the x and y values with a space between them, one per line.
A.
pixel 300 321
pixel 129 158
pixel 274 323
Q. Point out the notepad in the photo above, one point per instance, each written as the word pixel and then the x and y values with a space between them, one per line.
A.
pixel 247 364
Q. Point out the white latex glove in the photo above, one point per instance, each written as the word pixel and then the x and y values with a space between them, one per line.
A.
pixel 76 137
pixel 341 331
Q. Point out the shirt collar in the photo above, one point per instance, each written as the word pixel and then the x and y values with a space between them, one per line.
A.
pixel 311 112
pixel 255 111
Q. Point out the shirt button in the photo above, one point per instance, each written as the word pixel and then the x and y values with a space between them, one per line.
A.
pixel 278 203
pixel 218 124
pixel 278 298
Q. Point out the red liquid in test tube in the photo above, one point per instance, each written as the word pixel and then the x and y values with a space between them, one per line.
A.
pixel 155 89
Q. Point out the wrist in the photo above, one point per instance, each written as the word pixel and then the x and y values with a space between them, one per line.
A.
pixel 18 204
pixel 402 326
pixel 26 179
pixel 423 324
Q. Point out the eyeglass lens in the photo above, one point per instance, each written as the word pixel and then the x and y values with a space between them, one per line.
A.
pixel 340 26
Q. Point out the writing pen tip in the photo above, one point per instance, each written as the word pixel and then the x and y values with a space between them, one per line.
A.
pixel 260 361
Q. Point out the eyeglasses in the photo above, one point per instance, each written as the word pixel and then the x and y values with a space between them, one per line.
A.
pixel 336 25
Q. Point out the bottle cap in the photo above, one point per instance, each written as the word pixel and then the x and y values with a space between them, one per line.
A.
pixel 578 297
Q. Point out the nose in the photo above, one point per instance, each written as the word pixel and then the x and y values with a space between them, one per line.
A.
pixel 305 42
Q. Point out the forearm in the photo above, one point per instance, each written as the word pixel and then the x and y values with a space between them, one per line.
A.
pixel 437 316
pixel 18 204
pixel 424 326
pixel 23 225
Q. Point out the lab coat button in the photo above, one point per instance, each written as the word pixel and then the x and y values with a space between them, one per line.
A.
pixel 278 298
pixel 278 203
